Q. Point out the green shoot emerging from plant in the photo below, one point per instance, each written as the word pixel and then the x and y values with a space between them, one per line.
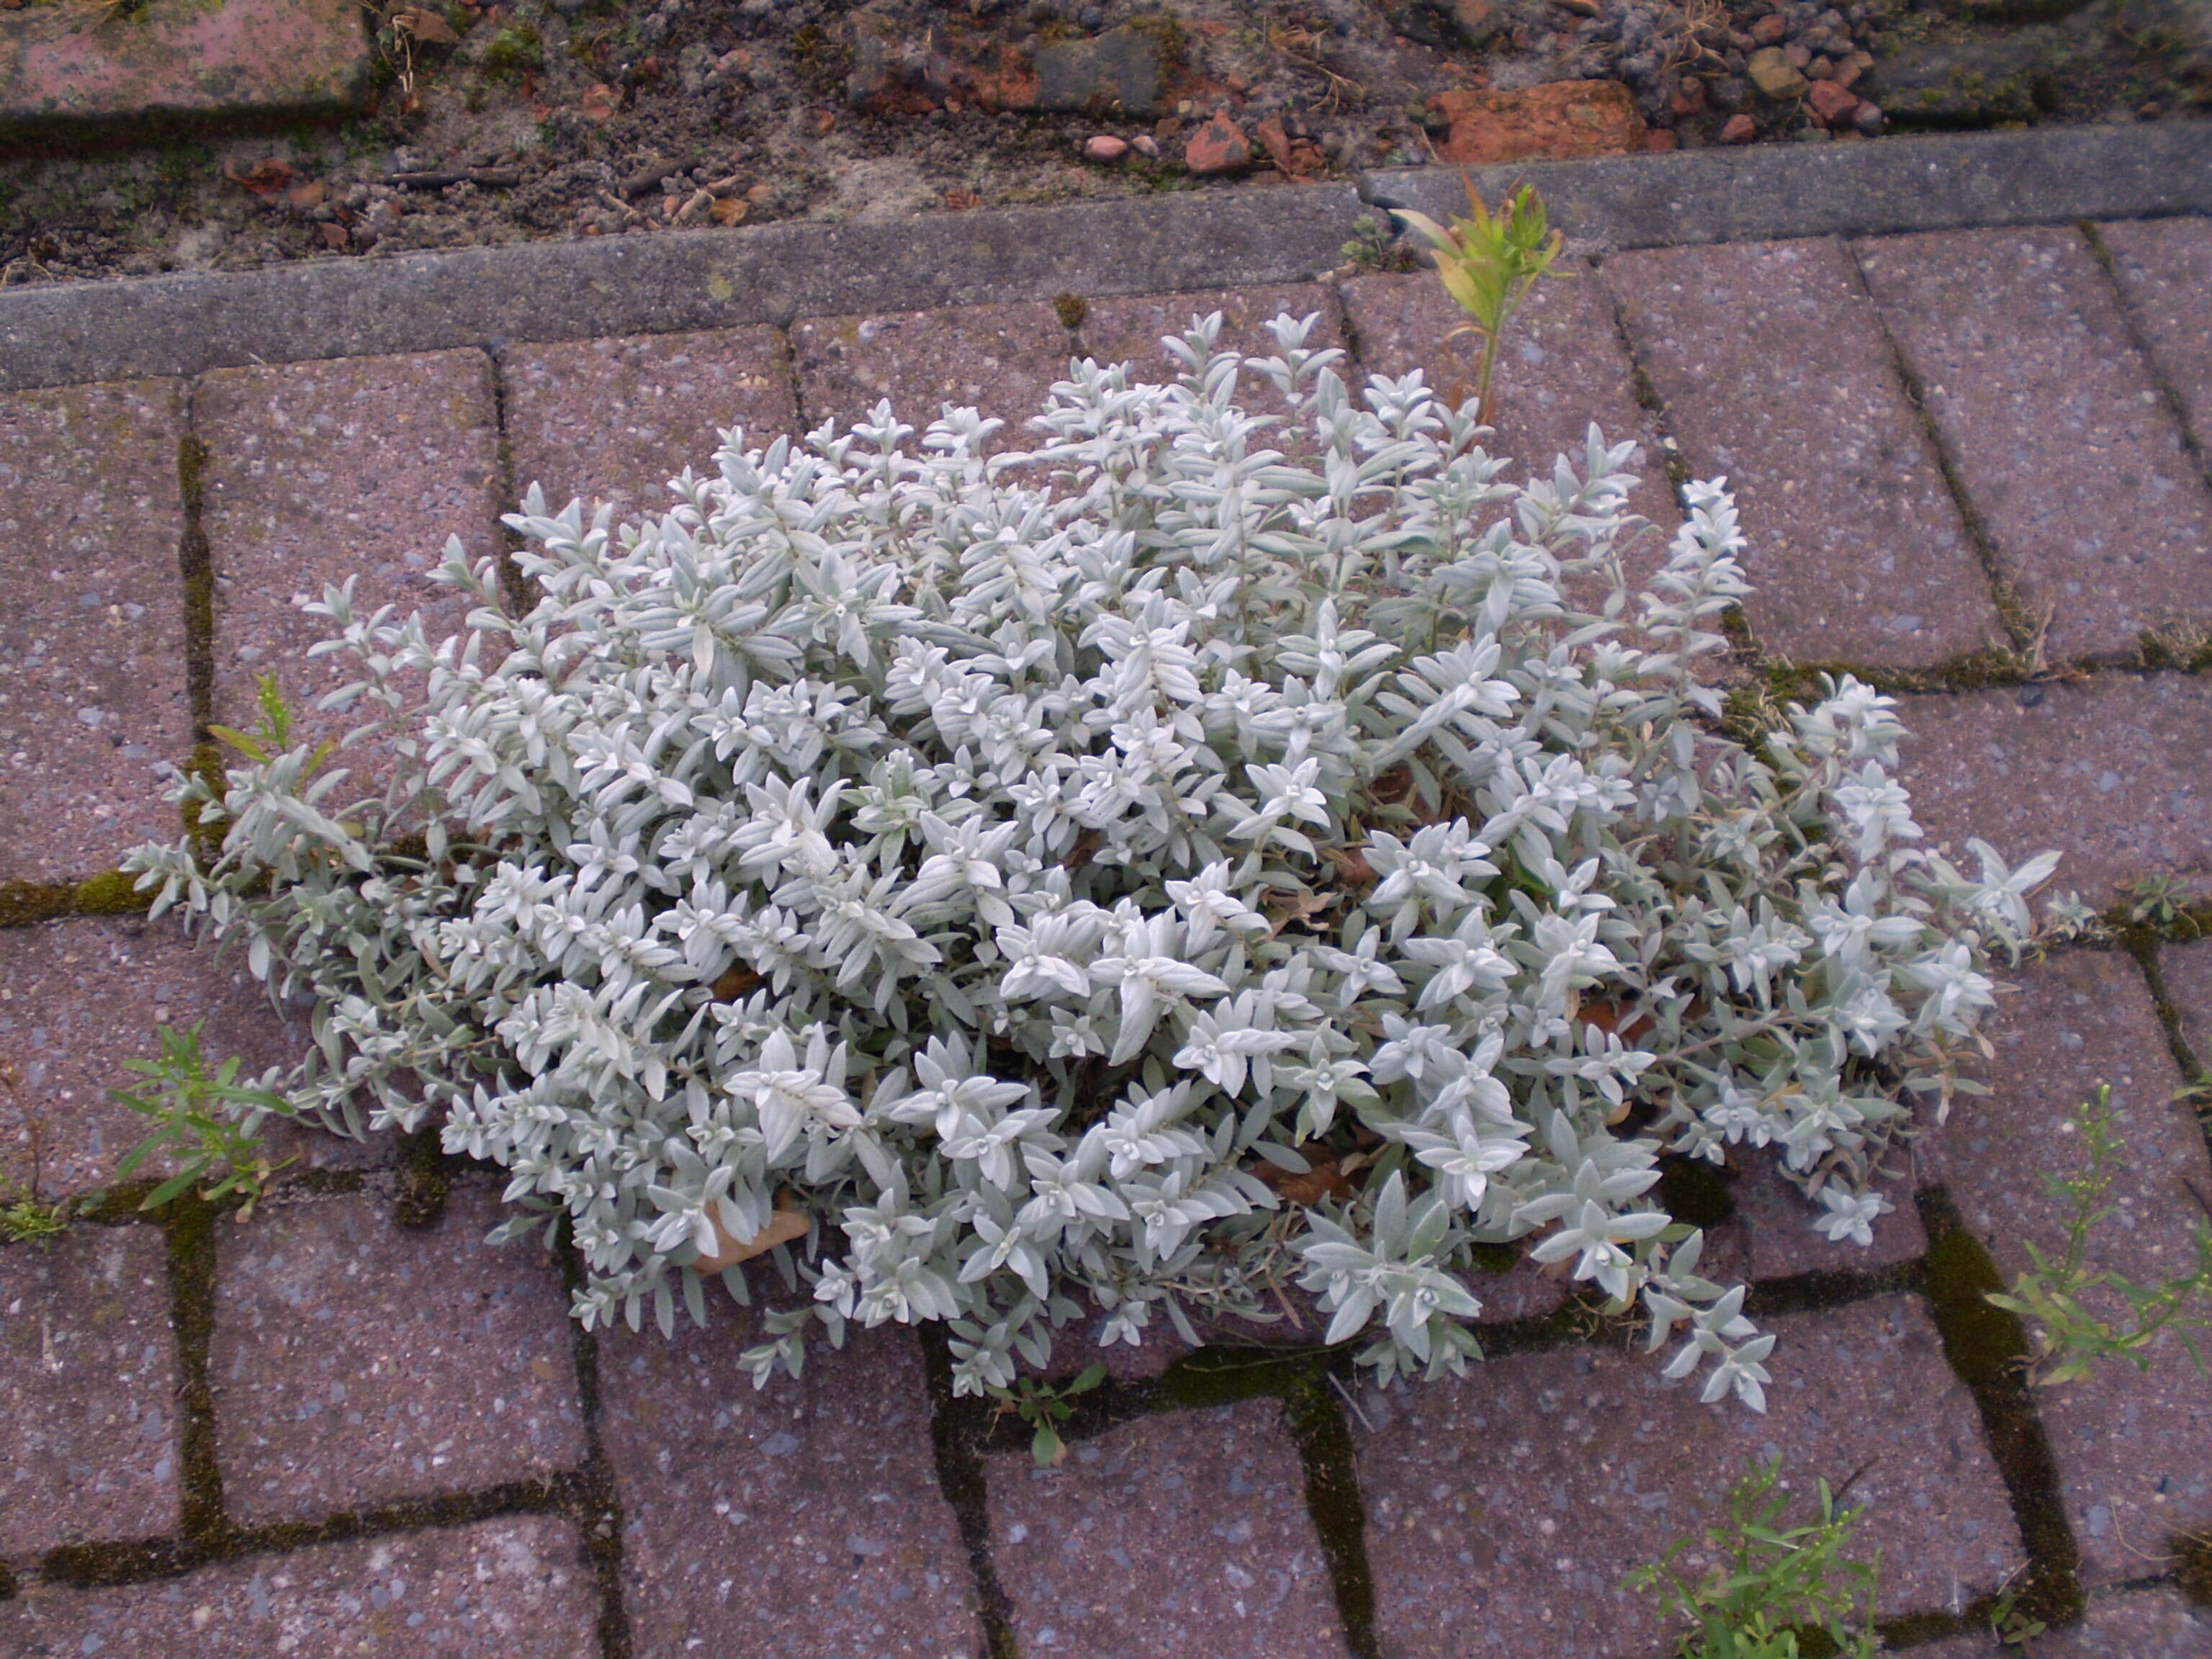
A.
pixel 1765 1586
pixel 1044 1406
pixel 187 1105
pixel 1373 246
pixel 1488 263
pixel 2071 1336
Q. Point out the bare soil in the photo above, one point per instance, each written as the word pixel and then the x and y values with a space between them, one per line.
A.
pixel 564 118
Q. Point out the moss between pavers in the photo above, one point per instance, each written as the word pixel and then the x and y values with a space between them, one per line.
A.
pixel 1987 1348
pixel 110 893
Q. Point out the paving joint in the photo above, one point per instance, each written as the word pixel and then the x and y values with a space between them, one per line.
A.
pixel 1987 1348
pixel 2168 392
pixel 1316 1418
pixel 955 1431
pixel 599 1500
pixel 2023 631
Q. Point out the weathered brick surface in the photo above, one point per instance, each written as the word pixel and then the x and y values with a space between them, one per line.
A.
pixel 804 1517
pixel 1186 1532
pixel 2116 775
pixel 79 998
pixel 355 1362
pixel 1563 367
pixel 498 1590
pixel 1001 359
pixel 1505 1509
pixel 88 1390
pixel 2146 1623
pixel 362 466
pixel 2066 447
pixel 240 57
pixel 1128 328
pixel 2134 1450
pixel 1776 1224
pixel 92 710
pixel 2156 1623
pixel 2164 267
pixel 615 419
pixel 1775 373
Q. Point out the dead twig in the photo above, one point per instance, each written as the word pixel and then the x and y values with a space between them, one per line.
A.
pixel 438 178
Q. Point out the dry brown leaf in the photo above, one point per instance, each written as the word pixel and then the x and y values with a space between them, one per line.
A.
pixel 1352 868
pixel 784 1226
pixel 1284 907
pixel 729 209
pixel 267 177
pixel 1626 1020
pixel 960 199
pixel 736 981
pixel 600 101
pixel 425 25
pixel 1327 1178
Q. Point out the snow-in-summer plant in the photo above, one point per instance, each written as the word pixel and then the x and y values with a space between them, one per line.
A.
pixel 1021 867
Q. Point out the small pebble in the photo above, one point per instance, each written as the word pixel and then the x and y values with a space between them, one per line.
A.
pixel 1738 130
pixel 1146 146
pixel 1105 148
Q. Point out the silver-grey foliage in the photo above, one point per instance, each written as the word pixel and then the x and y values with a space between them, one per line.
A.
pixel 1012 862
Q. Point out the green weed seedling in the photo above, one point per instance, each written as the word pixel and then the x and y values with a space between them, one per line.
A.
pixel 190 1107
pixel 1044 1406
pixel 2071 1336
pixel 1771 1591
pixel 1488 263
pixel 25 1216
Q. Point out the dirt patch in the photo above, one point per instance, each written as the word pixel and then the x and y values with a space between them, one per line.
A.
pixel 566 117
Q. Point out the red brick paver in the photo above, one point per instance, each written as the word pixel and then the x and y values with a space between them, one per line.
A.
pixel 2134 1450
pixel 88 1390
pixel 498 1590
pixel 92 713
pixel 2066 447
pixel 2164 267
pixel 2116 775
pixel 1775 373
pixel 355 1362
pixel 1001 359
pixel 316 471
pixel 803 1518
pixel 1562 368
pixel 1186 1532
pixel 1505 1509
pixel 617 419
pixel 238 58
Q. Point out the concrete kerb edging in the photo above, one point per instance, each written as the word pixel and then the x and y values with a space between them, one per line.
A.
pixel 1775 192
pixel 490 297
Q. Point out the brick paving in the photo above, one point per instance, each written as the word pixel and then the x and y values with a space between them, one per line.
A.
pixel 354 1364
pixel 87 1389
pixel 2062 439
pixel 93 707
pixel 326 1430
pixel 1777 376
pixel 1191 1521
